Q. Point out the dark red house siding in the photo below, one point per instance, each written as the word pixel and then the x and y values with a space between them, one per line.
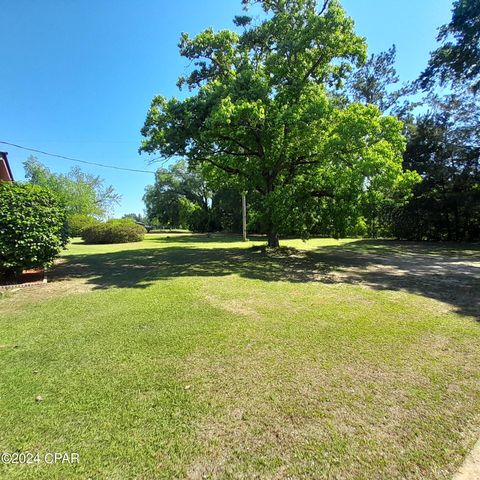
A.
pixel 5 171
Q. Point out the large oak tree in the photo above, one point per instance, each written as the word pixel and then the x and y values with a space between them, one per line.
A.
pixel 264 115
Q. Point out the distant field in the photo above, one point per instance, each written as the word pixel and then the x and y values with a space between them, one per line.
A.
pixel 194 356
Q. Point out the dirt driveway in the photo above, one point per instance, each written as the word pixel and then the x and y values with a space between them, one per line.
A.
pixel 447 273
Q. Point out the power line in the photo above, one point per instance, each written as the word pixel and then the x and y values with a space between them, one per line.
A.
pixel 77 160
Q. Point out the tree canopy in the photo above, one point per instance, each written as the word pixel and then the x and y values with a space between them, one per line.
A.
pixel 458 57
pixel 81 193
pixel 136 217
pixel 178 195
pixel 261 116
pixel 376 82
pixel 181 197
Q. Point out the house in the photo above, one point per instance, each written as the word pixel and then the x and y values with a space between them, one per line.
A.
pixel 5 170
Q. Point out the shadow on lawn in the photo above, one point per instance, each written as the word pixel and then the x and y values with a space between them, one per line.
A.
pixel 204 238
pixel 442 273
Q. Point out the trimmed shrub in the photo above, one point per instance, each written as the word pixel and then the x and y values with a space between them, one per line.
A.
pixel 77 223
pixel 32 227
pixel 114 231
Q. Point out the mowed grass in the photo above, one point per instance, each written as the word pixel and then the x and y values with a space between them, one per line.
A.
pixel 188 356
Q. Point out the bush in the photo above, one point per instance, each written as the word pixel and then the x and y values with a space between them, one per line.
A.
pixel 32 227
pixel 114 231
pixel 77 223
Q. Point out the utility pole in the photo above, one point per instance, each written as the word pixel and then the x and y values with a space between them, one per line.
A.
pixel 244 215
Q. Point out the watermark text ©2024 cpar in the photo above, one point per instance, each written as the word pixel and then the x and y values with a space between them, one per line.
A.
pixel 50 458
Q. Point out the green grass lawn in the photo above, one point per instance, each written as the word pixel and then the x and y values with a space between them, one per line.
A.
pixel 187 356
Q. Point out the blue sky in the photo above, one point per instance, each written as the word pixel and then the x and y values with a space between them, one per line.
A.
pixel 78 77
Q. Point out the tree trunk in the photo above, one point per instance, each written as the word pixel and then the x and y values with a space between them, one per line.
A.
pixel 447 224
pixel 272 233
pixel 457 222
pixel 273 241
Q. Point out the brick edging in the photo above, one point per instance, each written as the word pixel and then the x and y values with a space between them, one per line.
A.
pixel 23 285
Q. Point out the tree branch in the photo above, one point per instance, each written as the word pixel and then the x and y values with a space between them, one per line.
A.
pixel 312 68
pixel 227 169
pixel 235 154
pixel 325 5
pixel 246 150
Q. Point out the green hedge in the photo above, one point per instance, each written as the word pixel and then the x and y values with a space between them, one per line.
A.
pixel 114 231
pixel 77 223
pixel 32 227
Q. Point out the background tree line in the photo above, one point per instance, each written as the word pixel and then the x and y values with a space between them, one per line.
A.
pixel 444 139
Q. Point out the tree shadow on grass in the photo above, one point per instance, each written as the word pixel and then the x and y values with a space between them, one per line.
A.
pixel 204 238
pixel 451 276
pixel 446 272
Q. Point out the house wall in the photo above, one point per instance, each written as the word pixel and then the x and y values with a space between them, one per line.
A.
pixel 5 171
